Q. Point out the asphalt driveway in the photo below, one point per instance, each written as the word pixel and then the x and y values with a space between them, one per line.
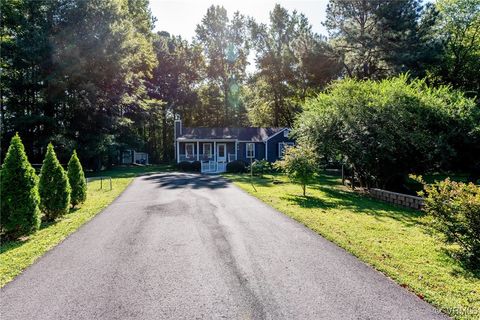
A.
pixel 184 246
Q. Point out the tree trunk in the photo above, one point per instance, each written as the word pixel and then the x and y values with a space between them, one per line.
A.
pixel 164 133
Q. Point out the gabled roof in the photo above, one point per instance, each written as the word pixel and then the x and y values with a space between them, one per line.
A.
pixel 244 134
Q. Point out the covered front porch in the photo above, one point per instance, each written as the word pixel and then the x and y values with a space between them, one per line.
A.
pixel 213 155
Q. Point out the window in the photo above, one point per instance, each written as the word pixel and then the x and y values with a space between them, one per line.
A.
pixel 250 150
pixel 207 150
pixel 286 133
pixel 189 149
pixel 282 146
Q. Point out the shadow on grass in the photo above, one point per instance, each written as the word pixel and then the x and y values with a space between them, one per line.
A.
pixel 334 195
pixel 8 244
pixel 265 181
pixel 308 202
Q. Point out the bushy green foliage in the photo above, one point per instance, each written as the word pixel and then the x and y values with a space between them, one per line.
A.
pixel 260 167
pixel 237 166
pixel 455 208
pixel 385 128
pixel 54 187
pixel 19 197
pixel 76 179
pixel 186 166
pixel 300 164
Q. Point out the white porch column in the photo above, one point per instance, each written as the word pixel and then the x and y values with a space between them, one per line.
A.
pixel 236 150
pixel 215 154
pixel 198 150
pixel 266 150
pixel 178 152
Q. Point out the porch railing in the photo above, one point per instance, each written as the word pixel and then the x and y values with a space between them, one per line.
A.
pixel 204 157
pixel 209 166
pixel 189 157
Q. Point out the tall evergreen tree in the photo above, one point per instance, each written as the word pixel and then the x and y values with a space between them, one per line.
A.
pixel 54 187
pixel 292 61
pixel 376 38
pixel 76 179
pixel 19 197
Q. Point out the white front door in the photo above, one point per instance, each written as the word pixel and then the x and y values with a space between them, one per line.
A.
pixel 221 152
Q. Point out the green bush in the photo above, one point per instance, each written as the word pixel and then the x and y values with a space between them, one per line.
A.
pixel 299 164
pixel 186 166
pixel 260 167
pixel 76 179
pixel 390 128
pixel 237 166
pixel 455 208
pixel 196 166
pixel 54 187
pixel 19 197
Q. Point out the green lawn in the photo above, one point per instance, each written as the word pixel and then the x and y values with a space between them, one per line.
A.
pixel 15 256
pixel 393 240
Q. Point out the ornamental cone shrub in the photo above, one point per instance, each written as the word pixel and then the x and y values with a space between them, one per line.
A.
pixel 76 178
pixel 19 197
pixel 54 187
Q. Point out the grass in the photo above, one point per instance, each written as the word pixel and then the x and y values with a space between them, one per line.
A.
pixel 395 241
pixel 15 256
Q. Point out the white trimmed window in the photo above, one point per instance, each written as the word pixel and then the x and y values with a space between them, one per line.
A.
pixel 286 132
pixel 207 150
pixel 250 150
pixel 282 146
pixel 189 150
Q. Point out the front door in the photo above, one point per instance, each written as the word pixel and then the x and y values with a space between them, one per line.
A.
pixel 221 152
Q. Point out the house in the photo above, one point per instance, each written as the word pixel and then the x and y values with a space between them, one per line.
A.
pixel 132 157
pixel 215 147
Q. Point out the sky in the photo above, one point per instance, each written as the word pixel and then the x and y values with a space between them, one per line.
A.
pixel 180 17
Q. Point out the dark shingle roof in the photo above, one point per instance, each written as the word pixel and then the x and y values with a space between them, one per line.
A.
pixel 247 134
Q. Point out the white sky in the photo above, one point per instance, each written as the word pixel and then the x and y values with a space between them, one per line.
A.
pixel 180 17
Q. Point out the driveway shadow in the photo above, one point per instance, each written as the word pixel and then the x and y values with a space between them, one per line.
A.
pixel 177 180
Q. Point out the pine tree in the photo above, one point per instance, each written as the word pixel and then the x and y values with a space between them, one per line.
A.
pixel 19 197
pixel 76 178
pixel 54 187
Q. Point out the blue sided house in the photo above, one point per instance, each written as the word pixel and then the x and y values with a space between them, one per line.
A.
pixel 215 147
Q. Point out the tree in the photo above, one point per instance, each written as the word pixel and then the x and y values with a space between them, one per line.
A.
pixel 385 130
pixel 225 45
pixel 292 61
pixel 76 179
pixel 377 38
pixel 18 193
pixel 300 164
pixel 54 187
pixel 458 27
pixel 71 70
pixel 172 88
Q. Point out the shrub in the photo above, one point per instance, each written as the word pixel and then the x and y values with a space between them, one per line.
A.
pixel 455 208
pixel 20 214
pixel 196 166
pixel 261 167
pixel 76 179
pixel 299 164
pixel 185 166
pixel 54 187
pixel 237 166
pixel 390 128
